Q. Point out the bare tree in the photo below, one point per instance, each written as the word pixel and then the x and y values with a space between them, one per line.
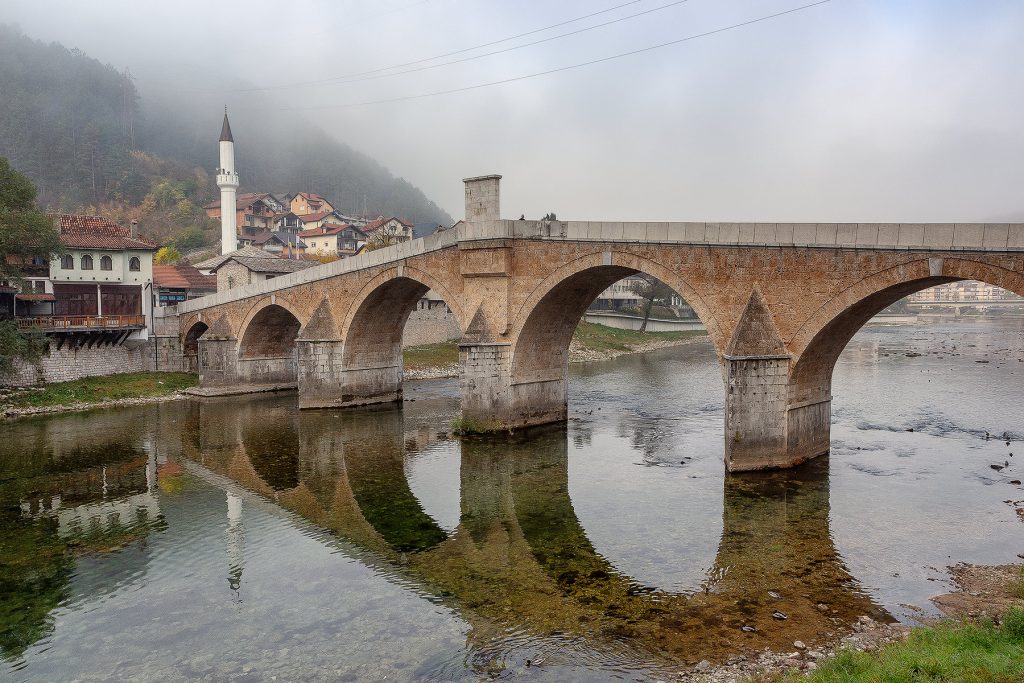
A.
pixel 651 290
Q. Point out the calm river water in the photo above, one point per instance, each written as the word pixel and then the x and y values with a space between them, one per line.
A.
pixel 239 539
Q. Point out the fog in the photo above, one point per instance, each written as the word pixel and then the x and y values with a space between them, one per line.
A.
pixel 871 110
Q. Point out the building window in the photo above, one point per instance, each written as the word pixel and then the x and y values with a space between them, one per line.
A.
pixel 134 264
pixel 67 262
pixel 87 262
pixel 40 287
pixel 106 263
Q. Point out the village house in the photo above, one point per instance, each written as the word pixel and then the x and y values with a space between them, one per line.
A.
pixel 248 265
pixel 180 282
pixel 285 244
pixel 105 272
pixel 256 212
pixel 305 203
pixel 333 240
pixel 388 230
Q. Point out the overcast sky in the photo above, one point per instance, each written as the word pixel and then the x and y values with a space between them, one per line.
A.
pixel 871 110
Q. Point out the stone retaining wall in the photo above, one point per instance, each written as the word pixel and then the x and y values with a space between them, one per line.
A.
pixel 431 325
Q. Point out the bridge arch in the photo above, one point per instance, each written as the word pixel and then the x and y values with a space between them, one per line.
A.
pixel 373 329
pixel 820 341
pixel 545 322
pixel 190 344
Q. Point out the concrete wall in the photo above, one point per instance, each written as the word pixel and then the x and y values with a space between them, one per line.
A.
pixel 632 322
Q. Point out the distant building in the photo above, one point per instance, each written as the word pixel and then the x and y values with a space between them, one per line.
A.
pixel 255 212
pixel 304 203
pixel 248 265
pixel 965 290
pixel 181 282
pixel 286 244
pixel 333 240
pixel 388 230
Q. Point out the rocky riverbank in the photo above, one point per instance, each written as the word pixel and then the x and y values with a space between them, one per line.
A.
pixel 982 592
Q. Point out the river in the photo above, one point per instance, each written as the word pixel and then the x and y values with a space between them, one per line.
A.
pixel 239 539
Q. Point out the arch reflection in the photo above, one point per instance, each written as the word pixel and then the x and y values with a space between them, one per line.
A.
pixel 520 561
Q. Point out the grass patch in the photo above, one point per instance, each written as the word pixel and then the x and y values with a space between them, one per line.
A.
pixel 106 388
pixel 431 355
pixel 1017 587
pixel 464 426
pixel 603 338
pixel 961 652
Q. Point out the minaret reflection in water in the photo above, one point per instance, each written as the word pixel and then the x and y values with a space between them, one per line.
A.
pixel 520 562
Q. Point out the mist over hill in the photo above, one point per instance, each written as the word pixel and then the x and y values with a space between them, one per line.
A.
pixel 90 136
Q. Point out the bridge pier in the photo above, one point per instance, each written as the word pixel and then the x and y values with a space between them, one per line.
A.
pixel 764 427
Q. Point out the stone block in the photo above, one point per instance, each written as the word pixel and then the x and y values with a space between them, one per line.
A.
pixel 712 232
pixel 764 233
pixel 729 233
pixel 888 234
pixel 694 232
pixel 968 235
pixel 846 234
pixel 996 236
pixel 867 234
pixel 784 233
pixel 938 236
pixel 677 232
pixel 746 233
pixel 576 230
pixel 911 235
pixel 805 233
pixel 611 231
pixel 634 232
pixel 1016 236
pixel 657 232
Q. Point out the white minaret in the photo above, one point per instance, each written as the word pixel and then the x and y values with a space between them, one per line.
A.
pixel 227 181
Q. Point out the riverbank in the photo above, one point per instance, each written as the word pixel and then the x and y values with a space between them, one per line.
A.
pixel 980 638
pixel 592 342
pixel 134 388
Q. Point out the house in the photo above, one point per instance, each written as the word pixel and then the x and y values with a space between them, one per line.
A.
pixel 105 272
pixel 316 220
pixel 256 212
pixel 304 203
pixel 285 244
pixel 181 282
pixel 388 230
pixel 248 265
pixel 287 221
pixel 333 240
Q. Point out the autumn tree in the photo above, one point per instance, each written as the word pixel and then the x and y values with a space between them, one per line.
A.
pixel 167 256
pixel 651 290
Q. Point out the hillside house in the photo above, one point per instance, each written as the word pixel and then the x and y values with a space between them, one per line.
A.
pixel 305 203
pixel 333 240
pixel 256 212
pixel 388 230
pixel 248 265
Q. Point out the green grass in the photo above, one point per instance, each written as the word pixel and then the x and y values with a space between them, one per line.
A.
pixel 97 389
pixel 604 338
pixel 954 652
pixel 589 335
pixel 431 355
pixel 1017 587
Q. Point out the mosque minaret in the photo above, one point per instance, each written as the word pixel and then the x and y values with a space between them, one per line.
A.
pixel 227 181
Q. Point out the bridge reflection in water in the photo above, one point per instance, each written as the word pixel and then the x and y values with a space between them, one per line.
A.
pixel 519 566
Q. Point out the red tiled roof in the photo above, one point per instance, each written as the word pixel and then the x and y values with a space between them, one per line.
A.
pixel 311 217
pixel 325 229
pixel 242 201
pixel 376 224
pixel 183 276
pixel 95 232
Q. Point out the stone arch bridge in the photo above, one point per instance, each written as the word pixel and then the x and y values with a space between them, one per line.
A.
pixel 780 302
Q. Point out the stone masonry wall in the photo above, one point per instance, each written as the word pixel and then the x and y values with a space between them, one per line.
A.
pixel 430 326
pixel 67 364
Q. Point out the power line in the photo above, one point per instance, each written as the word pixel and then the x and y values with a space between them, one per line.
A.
pixel 569 67
pixel 446 54
pixel 340 80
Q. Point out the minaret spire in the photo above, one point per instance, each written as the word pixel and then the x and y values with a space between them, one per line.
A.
pixel 227 181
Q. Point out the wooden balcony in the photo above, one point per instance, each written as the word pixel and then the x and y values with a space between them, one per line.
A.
pixel 74 323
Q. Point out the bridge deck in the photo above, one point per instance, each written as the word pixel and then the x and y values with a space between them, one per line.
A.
pixel 952 237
